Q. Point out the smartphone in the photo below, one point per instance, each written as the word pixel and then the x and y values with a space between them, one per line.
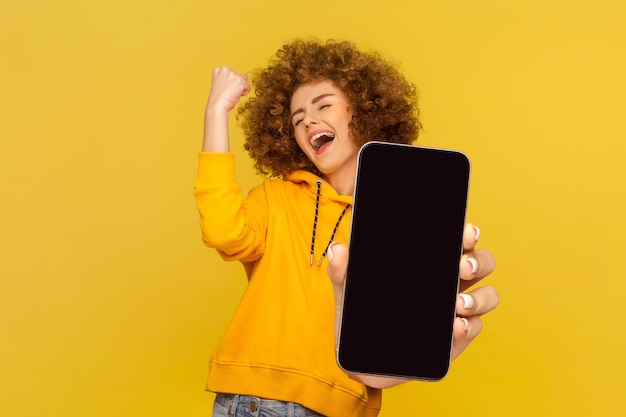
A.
pixel 405 246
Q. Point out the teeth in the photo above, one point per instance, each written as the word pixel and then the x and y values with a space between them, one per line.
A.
pixel 319 135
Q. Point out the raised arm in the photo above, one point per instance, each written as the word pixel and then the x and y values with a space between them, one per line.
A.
pixel 227 87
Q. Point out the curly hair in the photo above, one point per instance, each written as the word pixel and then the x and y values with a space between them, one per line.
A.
pixel 384 103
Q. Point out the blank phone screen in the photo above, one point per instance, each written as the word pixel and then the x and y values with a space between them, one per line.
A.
pixel 403 272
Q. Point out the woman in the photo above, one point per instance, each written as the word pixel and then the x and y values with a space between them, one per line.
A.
pixel 314 106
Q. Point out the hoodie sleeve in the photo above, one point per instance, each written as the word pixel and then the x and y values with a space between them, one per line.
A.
pixel 232 225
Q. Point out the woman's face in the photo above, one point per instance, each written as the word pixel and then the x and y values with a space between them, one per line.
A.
pixel 320 115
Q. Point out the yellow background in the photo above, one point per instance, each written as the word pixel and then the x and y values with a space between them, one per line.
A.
pixel 109 303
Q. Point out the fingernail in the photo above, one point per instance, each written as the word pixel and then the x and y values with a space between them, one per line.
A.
pixel 468 301
pixel 330 253
pixel 474 264
pixel 477 236
pixel 466 323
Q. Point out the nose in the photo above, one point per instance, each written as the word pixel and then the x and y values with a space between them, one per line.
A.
pixel 308 121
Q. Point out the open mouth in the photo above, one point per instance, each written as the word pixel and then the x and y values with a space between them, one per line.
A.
pixel 320 139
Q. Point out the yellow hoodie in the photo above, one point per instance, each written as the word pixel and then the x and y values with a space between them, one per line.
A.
pixel 280 342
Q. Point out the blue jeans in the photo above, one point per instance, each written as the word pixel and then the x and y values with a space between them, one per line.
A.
pixel 230 405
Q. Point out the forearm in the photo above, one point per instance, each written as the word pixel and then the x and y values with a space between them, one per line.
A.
pixel 216 138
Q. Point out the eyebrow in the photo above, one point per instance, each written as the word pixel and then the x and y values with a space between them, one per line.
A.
pixel 315 100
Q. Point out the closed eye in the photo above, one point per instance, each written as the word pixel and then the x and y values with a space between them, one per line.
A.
pixel 323 106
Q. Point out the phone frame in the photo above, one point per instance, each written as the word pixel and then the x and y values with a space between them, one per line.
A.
pixel 371 317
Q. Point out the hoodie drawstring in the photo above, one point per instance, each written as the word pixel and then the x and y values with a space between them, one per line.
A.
pixel 332 236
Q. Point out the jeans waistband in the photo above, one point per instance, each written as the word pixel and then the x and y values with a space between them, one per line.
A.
pixel 251 406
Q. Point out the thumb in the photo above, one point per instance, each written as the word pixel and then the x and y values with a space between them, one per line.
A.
pixel 337 267
pixel 337 263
